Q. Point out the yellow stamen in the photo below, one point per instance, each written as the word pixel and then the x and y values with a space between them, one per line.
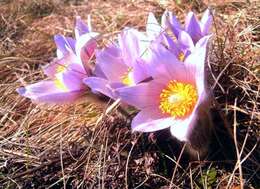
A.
pixel 61 68
pixel 127 78
pixel 60 85
pixel 178 99
pixel 181 56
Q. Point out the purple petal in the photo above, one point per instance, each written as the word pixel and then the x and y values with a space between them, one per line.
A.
pixel 153 28
pixel 47 92
pixel 150 120
pixel 98 72
pixel 80 28
pixel 170 21
pixel 164 65
pixel 133 44
pixel 195 63
pixel 110 62
pixel 183 129
pixel 164 21
pixel 60 42
pixel 77 69
pixel 139 72
pixel 64 45
pixel 185 41
pixel 62 64
pixel 85 48
pixel 171 45
pixel 103 86
pixel 86 44
pixel 192 27
pixel 203 42
pixel 180 128
pixel 141 95
pixel 52 68
pixel 206 22
pixel 72 80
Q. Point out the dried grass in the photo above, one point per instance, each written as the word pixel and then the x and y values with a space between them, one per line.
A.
pixel 62 146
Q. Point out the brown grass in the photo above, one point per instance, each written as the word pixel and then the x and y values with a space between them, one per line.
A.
pixel 63 147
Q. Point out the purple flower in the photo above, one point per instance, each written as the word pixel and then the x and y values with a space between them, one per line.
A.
pixel 183 44
pixel 120 64
pixel 175 95
pixel 67 71
pixel 196 29
pixel 180 47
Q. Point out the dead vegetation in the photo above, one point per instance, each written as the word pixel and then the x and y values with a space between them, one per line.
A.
pixel 63 147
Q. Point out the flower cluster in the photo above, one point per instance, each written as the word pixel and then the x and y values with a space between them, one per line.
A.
pixel 160 71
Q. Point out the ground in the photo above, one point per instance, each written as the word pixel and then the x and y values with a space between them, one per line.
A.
pixel 70 146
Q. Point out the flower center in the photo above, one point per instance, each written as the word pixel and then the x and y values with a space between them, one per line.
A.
pixel 178 99
pixel 181 56
pixel 60 85
pixel 127 78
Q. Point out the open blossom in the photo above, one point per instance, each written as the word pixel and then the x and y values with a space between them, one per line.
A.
pixel 195 28
pixel 120 64
pixel 174 96
pixel 67 71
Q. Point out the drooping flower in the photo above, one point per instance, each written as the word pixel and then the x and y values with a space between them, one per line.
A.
pixel 67 71
pixel 174 96
pixel 196 29
pixel 120 64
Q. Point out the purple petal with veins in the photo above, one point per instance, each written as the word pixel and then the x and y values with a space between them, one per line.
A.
pixel 192 27
pixel 81 28
pixel 47 92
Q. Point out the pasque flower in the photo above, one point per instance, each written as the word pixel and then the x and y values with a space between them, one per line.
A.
pixel 185 37
pixel 174 96
pixel 120 63
pixel 181 47
pixel 67 70
pixel 195 28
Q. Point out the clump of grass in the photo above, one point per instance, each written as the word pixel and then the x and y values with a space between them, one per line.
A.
pixel 40 8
